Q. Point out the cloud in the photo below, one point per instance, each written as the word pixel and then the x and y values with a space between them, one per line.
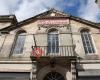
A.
pixel 29 8
pixel 3 10
pixel 70 3
pixel 24 9
pixel 8 6
pixel 89 11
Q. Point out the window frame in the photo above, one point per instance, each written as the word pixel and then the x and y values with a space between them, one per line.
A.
pixel 56 41
pixel 87 43
pixel 18 36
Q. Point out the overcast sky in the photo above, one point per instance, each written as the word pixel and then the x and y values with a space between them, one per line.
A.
pixel 23 9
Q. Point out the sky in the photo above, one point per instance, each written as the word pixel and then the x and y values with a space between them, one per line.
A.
pixel 24 9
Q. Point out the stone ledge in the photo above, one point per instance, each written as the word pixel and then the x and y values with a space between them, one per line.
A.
pixel 89 61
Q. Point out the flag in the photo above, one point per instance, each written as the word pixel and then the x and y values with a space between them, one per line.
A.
pixel 37 52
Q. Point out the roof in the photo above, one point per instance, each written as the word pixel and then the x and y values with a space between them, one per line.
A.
pixel 46 15
pixel 62 13
pixel 7 18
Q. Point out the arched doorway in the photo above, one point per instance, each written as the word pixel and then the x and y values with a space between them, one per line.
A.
pixel 53 76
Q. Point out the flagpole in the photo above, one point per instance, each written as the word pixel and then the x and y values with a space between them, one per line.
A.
pixel 32 75
pixel 34 41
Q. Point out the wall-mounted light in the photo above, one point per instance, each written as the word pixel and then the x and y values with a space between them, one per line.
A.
pixel 52 63
pixel 0 34
pixel 39 28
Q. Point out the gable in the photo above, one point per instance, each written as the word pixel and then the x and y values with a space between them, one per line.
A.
pixel 53 13
pixel 7 21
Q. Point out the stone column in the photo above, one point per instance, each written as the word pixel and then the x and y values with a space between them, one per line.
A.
pixel 73 69
pixel 34 71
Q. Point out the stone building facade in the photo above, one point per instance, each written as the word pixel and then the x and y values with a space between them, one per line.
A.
pixel 70 48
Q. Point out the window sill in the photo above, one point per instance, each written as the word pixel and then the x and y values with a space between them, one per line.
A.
pixel 17 55
pixel 91 56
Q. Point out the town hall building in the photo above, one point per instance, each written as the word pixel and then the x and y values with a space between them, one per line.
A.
pixel 52 45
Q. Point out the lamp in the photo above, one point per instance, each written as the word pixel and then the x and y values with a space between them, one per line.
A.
pixel 52 63
pixel 0 33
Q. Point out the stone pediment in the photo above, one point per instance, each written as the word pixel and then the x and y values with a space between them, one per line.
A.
pixel 53 13
pixel 50 17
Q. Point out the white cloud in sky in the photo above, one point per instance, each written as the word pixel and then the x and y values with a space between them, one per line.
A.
pixel 8 6
pixel 89 11
pixel 3 9
pixel 29 8
pixel 24 9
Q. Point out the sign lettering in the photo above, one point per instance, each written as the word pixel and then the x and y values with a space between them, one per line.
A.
pixel 53 22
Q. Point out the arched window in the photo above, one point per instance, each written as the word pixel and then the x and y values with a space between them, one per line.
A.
pixel 53 76
pixel 19 42
pixel 53 41
pixel 87 41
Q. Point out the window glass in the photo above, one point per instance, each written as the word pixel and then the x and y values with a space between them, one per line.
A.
pixel 19 44
pixel 53 41
pixel 87 41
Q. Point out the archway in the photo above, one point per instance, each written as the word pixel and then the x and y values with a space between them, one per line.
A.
pixel 53 76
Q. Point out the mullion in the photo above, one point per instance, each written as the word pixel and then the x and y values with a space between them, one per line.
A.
pixel 84 39
pixel 19 44
pixel 87 42
pixel 90 46
pixel 51 43
pixel 55 42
